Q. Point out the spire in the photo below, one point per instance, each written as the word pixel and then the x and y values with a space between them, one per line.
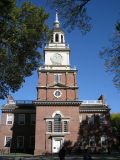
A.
pixel 56 22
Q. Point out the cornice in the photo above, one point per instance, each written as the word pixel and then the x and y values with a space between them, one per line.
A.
pixel 94 110
pixel 44 70
pixel 56 49
pixel 57 103
pixel 57 87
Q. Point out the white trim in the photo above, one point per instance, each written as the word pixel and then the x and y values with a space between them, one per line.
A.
pixel 57 112
pixel 56 95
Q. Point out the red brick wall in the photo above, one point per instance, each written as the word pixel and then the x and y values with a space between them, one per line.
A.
pixel 43 140
pixel 47 80
pixel 5 130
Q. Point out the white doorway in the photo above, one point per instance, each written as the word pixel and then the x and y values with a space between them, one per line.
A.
pixel 57 143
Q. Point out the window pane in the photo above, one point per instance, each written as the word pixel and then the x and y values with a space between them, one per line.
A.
pixel 8 141
pixel 9 119
pixel 49 126
pixel 90 119
pixel 20 142
pixel 57 123
pixel 65 126
pixel 32 141
pixel 33 119
pixel 102 119
pixel 21 119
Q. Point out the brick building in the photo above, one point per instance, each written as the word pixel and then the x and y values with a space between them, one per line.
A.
pixel 57 117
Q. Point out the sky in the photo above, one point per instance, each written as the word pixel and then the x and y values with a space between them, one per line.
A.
pixel 92 78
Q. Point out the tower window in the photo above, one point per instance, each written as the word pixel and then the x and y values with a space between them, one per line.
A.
pixel 61 38
pixel 56 38
pixel 57 123
pixel 57 78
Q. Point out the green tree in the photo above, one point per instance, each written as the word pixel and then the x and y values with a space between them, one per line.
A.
pixel 115 122
pixel 73 13
pixel 112 56
pixel 22 31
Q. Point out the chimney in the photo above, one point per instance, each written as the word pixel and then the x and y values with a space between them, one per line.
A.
pixel 102 99
pixel 10 100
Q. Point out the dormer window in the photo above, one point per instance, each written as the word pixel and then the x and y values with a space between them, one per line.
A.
pixel 56 38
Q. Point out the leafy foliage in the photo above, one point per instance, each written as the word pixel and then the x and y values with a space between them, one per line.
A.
pixel 22 31
pixel 115 121
pixel 73 13
pixel 112 57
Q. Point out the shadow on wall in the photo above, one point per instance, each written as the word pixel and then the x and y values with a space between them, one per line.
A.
pixel 95 136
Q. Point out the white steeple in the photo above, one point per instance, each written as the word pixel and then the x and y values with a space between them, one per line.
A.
pixel 57 52
pixel 56 22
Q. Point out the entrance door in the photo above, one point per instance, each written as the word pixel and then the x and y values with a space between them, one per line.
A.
pixel 56 144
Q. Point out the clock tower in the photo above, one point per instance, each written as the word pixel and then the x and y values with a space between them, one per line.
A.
pixel 57 106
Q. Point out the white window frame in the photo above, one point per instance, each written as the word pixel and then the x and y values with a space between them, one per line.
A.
pixel 5 140
pixel 32 119
pixel 20 147
pixel 21 120
pixel 9 119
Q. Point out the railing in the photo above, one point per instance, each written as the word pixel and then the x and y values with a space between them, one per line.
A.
pixel 83 102
pixel 50 67
pixel 24 102
pixel 91 102
pixel 56 45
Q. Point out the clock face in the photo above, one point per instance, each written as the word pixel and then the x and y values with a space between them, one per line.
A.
pixel 56 59
pixel 57 93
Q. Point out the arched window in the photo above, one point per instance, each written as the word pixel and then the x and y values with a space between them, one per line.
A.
pixel 56 38
pixel 61 38
pixel 57 123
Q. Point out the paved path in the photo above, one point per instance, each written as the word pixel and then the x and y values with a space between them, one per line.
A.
pixel 73 157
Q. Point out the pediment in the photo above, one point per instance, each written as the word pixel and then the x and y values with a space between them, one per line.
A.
pixel 58 85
